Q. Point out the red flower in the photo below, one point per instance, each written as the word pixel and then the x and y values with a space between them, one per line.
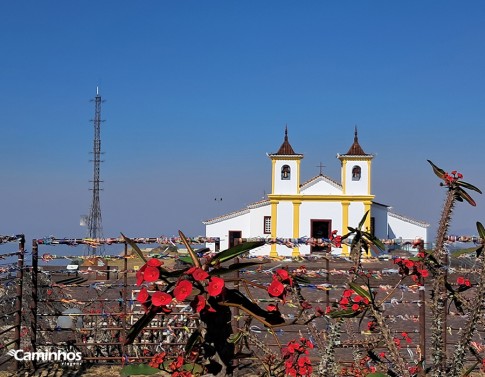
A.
pixel 139 275
pixel 154 262
pixel 143 295
pixel 344 301
pixel 182 290
pixel 348 293
pixel 199 274
pixel 355 307
pixel 215 286
pixel 283 274
pixel 151 274
pixel 460 280
pixel 198 303
pixel 276 289
pixel 272 308
pixel 357 298
pixel 424 273
pixel 161 299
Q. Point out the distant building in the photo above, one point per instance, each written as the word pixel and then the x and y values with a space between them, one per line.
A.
pixel 313 208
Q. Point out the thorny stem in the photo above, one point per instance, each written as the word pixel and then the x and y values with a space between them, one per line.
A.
pixel 438 307
pixel 327 365
pixel 473 317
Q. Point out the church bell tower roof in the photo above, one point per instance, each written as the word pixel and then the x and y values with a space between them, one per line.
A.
pixel 355 149
pixel 286 149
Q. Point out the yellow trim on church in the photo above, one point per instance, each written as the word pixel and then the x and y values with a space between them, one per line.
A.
pixel 274 213
pixel 345 224
pixel 298 162
pixel 296 226
pixel 369 176
pixel 273 165
pixel 322 198
pixel 344 176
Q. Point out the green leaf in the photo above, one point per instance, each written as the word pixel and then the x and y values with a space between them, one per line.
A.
pixel 234 338
pixel 479 251
pixel 235 251
pixel 187 260
pixel 377 374
pixel 439 172
pixel 301 279
pixel 481 230
pixel 139 325
pixel 468 186
pixel 374 240
pixel 362 221
pixel 194 368
pixel 135 247
pixel 192 341
pixel 193 255
pixel 471 369
pixel 347 313
pixel 138 369
pixel 463 194
pixel 232 268
pixel 360 291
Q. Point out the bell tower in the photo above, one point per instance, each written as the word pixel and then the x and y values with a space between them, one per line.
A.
pixel 285 176
pixel 356 169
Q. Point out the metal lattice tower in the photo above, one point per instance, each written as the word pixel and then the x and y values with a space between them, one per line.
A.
pixel 94 223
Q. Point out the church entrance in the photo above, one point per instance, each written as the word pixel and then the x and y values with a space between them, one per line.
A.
pixel 234 237
pixel 321 229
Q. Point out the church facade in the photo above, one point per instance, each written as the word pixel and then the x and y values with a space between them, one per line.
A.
pixel 314 208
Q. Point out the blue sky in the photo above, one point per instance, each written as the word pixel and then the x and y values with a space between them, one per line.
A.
pixel 198 91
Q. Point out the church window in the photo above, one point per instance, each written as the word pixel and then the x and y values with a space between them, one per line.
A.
pixel 267 225
pixel 356 173
pixel 285 172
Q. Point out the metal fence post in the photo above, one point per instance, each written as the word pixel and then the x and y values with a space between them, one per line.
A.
pixel 33 307
pixel 19 293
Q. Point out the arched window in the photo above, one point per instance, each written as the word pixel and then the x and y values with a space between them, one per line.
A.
pixel 356 173
pixel 285 172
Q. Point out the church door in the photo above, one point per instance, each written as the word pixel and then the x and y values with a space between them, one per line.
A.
pixel 234 236
pixel 320 229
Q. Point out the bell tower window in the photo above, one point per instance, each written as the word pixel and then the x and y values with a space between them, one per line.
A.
pixel 285 172
pixel 356 173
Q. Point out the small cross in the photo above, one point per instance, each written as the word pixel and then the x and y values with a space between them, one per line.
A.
pixel 321 166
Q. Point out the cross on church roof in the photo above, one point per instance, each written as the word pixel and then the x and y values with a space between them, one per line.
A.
pixel 321 166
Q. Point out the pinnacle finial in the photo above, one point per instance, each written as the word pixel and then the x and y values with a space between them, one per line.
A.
pixel 97 90
pixel 286 132
pixel 355 134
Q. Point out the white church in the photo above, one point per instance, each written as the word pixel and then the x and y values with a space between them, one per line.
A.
pixel 313 208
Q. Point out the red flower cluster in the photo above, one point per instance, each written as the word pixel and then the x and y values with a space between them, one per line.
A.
pixel 173 368
pixel 157 359
pixel 405 337
pixel 354 302
pixel 277 288
pixel 335 239
pixel 460 280
pixel 150 272
pixel 360 369
pixel 411 268
pixel 450 179
pixel 297 362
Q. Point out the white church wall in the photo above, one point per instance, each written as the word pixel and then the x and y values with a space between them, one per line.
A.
pixel 401 228
pixel 379 213
pixel 257 221
pixel 322 188
pixel 284 225
pixel 221 229
pixel 356 211
pixel 319 210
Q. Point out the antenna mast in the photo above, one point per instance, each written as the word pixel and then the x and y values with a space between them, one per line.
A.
pixel 95 227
